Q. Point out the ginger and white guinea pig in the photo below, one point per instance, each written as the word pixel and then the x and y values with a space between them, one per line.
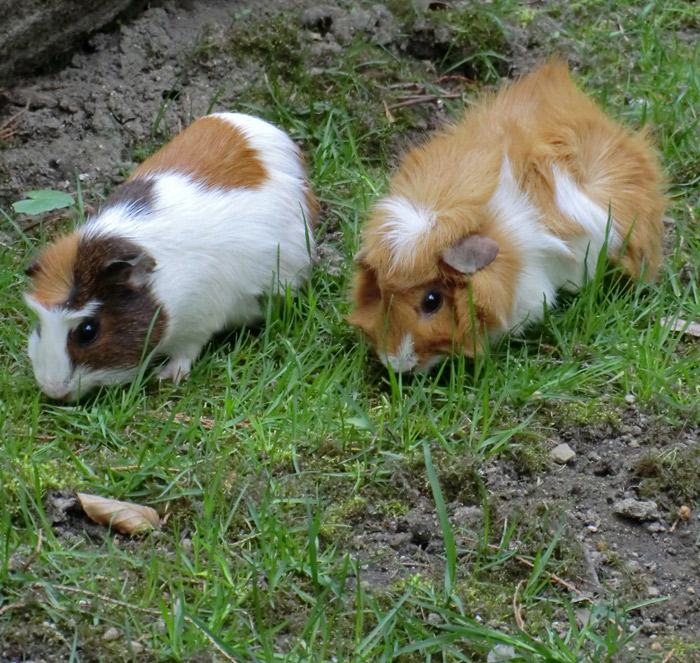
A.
pixel 183 249
pixel 494 215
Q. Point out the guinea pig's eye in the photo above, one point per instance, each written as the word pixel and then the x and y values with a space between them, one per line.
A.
pixel 87 331
pixel 432 301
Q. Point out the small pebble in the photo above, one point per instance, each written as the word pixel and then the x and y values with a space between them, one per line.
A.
pixel 630 399
pixel 636 509
pixel 653 592
pixel 500 653
pixel 111 634
pixel 562 454
pixel 136 647
pixel 690 590
pixel 656 646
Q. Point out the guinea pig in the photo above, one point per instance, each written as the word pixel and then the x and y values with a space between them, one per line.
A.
pixel 183 249
pixel 494 215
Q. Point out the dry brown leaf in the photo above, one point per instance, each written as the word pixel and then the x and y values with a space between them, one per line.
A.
pixel 125 517
pixel 687 328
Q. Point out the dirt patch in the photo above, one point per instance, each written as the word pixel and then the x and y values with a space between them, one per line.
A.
pixel 640 556
pixel 129 90
pixel 649 557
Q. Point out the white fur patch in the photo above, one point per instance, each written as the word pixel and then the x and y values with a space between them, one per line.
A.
pixel 405 225
pixel 405 358
pixel 53 370
pixel 547 261
pixel 593 220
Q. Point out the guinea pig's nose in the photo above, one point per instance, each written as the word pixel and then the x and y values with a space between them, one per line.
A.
pixel 59 393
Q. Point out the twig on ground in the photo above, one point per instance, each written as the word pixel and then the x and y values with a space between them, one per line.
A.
pixel 35 554
pixel 517 611
pixel 206 423
pixel 132 468
pixel 457 77
pixel 245 539
pixel 552 576
pixel 424 99
pixel 12 606
pixel 670 654
pixel 11 125
pixel 684 514
pixel 405 85
pixel 47 220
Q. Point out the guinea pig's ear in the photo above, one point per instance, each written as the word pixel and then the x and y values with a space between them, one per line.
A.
pixel 33 268
pixel 366 298
pixel 471 253
pixel 132 269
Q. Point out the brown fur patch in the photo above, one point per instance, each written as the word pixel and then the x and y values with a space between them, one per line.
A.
pixel 211 150
pixel 313 206
pixel 126 312
pixel 53 271
pixel 309 196
pixel 136 194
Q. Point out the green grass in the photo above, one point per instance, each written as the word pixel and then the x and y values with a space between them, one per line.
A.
pixel 295 435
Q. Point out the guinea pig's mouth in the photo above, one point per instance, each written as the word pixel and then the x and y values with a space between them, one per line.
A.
pixel 404 359
pixel 59 392
pixel 430 363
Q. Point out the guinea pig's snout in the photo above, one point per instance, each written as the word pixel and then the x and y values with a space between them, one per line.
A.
pixel 59 392
pixel 51 363
pixel 404 359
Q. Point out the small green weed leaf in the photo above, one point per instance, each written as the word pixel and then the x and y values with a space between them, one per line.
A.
pixel 448 535
pixel 43 200
pixel 362 424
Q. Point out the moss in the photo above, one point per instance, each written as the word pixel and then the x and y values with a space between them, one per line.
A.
pixel 589 413
pixel 469 40
pixel 671 474
pixel 343 513
pixel 142 151
pixel 530 454
pixel 485 599
pixel 273 40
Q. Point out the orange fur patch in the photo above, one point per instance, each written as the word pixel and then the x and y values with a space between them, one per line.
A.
pixel 310 197
pixel 313 207
pixel 53 277
pixel 211 150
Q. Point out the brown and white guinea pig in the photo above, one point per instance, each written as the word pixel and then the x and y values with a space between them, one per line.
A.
pixel 494 215
pixel 180 251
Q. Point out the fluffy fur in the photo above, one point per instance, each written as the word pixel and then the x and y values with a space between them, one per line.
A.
pixel 182 250
pixel 536 176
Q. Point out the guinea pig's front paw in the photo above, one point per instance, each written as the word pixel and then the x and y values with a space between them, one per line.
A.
pixel 176 369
